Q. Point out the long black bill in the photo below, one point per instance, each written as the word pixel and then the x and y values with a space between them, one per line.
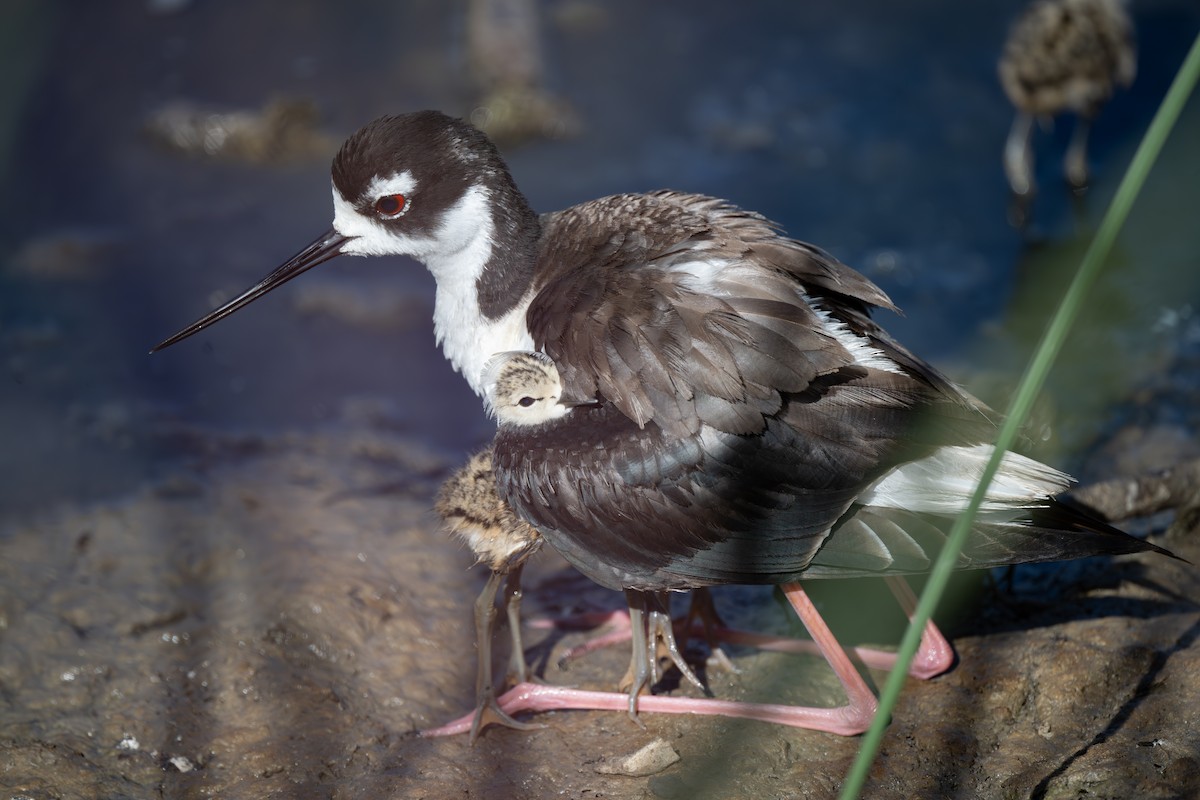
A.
pixel 323 248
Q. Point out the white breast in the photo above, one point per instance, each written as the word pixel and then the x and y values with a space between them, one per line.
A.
pixel 468 340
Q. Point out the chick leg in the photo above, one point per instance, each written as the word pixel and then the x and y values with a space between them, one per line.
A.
pixel 1018 156
pixel 487 709
pixel 1075 164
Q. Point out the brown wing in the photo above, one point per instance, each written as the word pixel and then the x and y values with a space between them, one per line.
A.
pixel 686 311
pixel 695 324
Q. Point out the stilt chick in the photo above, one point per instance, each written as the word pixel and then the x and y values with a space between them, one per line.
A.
pixel 1063 56
pixel 473 511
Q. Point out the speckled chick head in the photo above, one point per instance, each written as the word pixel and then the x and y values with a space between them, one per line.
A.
pixel 523 388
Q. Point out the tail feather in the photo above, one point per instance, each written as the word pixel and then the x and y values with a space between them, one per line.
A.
pixel 943 482
pixel 873 540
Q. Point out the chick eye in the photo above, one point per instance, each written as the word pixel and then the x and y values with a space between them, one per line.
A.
pixel 391 206
pixel 525 402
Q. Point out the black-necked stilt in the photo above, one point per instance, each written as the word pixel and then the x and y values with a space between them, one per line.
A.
pixel 1063 56
pixel 599 464
pixel 523 392
pixel 729 411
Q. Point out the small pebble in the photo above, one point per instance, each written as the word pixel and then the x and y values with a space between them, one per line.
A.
pixel 651 759
pixel 181 763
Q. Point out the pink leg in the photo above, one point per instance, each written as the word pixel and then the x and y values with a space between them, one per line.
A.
pixel 868 656
pixel 539 697
pixel 701 618
pixel 848 720
pixel 935 656
pixel 620 629
pixel 618 618
pixel 857 714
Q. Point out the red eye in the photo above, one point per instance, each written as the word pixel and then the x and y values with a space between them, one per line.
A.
pixel 391 206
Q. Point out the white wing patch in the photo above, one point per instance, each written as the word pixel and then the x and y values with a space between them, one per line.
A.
pixel 705 274
pixel 944 482
pixel 861 350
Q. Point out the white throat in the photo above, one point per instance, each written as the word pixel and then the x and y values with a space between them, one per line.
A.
pixel 456 253
pixel 467 338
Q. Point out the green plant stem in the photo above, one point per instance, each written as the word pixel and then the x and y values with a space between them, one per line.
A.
pixel 1031 382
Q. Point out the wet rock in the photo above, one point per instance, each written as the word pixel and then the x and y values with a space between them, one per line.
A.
pixel 66 255
pixel 283 130
pixel 181 763
pixel 506 62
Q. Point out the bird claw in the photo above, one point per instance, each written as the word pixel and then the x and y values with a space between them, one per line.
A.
pixel 721 659
pixel 662 635
pixel 489 712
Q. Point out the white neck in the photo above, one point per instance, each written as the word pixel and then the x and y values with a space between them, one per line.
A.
pixel 467 338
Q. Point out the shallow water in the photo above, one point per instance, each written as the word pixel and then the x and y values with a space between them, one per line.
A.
pixel 175 508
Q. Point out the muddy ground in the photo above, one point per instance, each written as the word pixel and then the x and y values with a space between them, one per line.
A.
pixel 278 616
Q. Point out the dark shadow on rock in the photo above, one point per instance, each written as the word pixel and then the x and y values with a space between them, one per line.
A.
pixel 1060 593
pixel 1185 641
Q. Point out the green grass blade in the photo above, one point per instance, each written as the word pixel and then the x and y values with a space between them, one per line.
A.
pixel 1031 383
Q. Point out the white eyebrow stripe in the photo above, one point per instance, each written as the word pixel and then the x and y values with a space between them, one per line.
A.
pixel 398 183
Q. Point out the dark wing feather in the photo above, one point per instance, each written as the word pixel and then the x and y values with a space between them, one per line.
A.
pixel 734 432
pixel 686 311
pixel 636 507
